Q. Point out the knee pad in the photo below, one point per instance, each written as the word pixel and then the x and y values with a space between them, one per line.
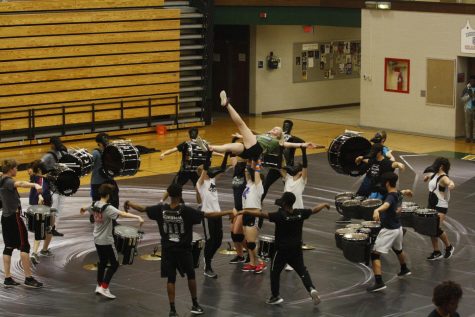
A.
pixel 25 248
pixel 439 232
pixel 237 237
pixel 251 245
pixel 375 256
pixel 8 251
pixel 397 251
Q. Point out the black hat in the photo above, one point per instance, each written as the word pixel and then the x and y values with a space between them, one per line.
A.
pixel 378 137
pixel 287 199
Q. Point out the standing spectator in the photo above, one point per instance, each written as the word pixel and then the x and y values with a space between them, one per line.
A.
pixel 468 98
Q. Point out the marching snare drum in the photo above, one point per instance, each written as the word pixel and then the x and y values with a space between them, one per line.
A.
pixel 63 180
pixel 126 241
pixel 367 208
pixel 340 198
pixel 407 215
pixel 344 150
pixel 80 159
pixel 266 247
pixel 356 247
pixel 120 159
pixel 374 226
pixel 354 226
pixel 351 208
pixel 196 246
pixel 339 233
pixel 426 221
pixel 38 220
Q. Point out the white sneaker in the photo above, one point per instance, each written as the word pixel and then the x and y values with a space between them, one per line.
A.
pixel 288 268
pixel 224 98
pixel 314 294
pixel 105 292
pixel 97 289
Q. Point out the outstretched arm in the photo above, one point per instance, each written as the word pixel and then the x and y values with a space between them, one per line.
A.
pixel 217 214
pixel 128 204
pixel 398 165
pixel 319 208
pixel 255 213
pixel 361 159
pixel 447 182
pixel 304 164
pixel 168 152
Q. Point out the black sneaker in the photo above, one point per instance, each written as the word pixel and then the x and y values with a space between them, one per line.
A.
pixel 55 233
pixel 237 259
pixel 210 273
pixel 449 252
pixel 172 314
pixel 436 255
pixel 31 282
pixel 404 272
pixel 343 219
pixel 197 310
pixel 274 300
pixel 9 282
pixel 376 287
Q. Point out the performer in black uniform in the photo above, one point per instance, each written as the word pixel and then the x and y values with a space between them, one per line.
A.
pixel 288 242
pixel 175 223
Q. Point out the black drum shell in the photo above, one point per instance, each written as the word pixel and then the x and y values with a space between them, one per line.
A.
pixel 81 158
pixel 63 180
pixel 356 251
pixel 426 222
pixel 339 233
pixel 343 151
pixel 367 208
pixel 38 222
pixel 120 159
pixel 407 216
pixel 126 245
pixel 351 208
pixel 340 198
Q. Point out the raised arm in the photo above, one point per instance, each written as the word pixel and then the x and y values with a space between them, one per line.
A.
pixel 304 164
pixel 24 184
pixel 447 182
pixel 361 159
pixel 204 173
pixel 401 166
pixel 168 152
pixel 257 172
pixel 320 207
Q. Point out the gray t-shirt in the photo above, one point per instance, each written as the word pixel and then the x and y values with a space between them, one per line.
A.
pixel 103 223
pixel 50 159
pixel 97 177
pixel 9 196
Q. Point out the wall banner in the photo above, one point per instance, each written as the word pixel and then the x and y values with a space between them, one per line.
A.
pixel 468 39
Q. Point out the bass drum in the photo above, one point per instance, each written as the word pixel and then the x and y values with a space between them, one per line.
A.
pixel 81 159
pixel 63 180
pixel 344 150
pixel 120 159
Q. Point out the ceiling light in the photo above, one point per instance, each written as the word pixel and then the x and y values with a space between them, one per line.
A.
pixel 384 5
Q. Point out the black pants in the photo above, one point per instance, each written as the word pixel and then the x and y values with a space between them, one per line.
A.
pixel 213 228
pixel 182 177
pixel 107 254
pixel 293 257
pixel 271 177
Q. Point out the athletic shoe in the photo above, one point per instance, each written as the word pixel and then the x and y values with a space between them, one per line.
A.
pixel 449 252
pixel 343 219
pixel 56 233
pixel 35 259
pixel 314 294
pixel 376 287
pixel 248 268
pixel 248 259
pixel 436 255
pixel 210 273
pixel 260 268
pixel 97 289
pixel 274 300
pixel 105 292
pixel 172 314
pixel 10 282
pixel 288 268
pixel 404 272
pixel 197 310
pixel 47 253
pixel 237 259
pixel 31 282
pixel 202 144
pixel 224 98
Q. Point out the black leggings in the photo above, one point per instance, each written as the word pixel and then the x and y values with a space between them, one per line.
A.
pixel 293 257
pixel 107 254
pixel 271 177
pixel 213 228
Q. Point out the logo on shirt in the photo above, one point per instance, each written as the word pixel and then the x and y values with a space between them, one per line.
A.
pixel 173 225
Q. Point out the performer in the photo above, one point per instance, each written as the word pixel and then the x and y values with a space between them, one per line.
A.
pixel 237 231
pixel 440 186
pixel 381 137
pixel 103 214
pixel 391 234
pixel 14 231
pixel 288 241
pixel 175 223
pixel 253 145
pixel 289 153
pixel 446 298
pixel 212 227
pixel 42 197
pixel 50 159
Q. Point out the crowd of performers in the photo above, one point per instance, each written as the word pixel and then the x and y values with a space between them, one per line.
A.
pixel 250 157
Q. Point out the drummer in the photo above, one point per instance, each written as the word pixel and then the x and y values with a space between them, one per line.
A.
pixel 50 159
pixel 175 223
pixel 14 231
pixel 391 234
pixel 103 214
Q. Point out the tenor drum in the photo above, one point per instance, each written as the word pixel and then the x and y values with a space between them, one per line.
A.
pixel 354 226
pixel 351 208
pixel 266 247
pixel 344 150
pixel 374 227
pixel 426 221
pixel 120 159
pixel 407 215
pixel 197 245
pixel 79 160
pixel 339 233
pixel 38 220
pixel 367 208
pixel 126 241
pixel 356 247
pixel 63 180
pixel 340 198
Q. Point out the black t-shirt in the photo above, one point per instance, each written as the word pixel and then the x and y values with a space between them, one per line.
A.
pixel 288 227
pixel 390 217
pixel 192 156
pixel 376 169
pixel 434 313
pixel 175 224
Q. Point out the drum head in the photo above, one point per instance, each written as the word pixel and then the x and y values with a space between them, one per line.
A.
pixel 344 195
pixel 371 224
pixel 425 212
pixel 344 150
pixel 112 160
pixel 371 203
pixel 67 182
pixel 354 226
pixel 266 237
pixel 355 236
pixel 343 231
pixel 351 203
pixel 38 209
pixel 126 231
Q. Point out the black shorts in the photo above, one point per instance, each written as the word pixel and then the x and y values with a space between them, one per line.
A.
pixel 182 177
pixel 442 210
pixel 249 221
pixel 237 193
pixel 252 153
pixel 14 233
pixel 173 260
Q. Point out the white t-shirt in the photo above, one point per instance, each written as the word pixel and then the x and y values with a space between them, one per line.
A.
pixel 209 195
pixel 251 197
pixel 296 187
pixel 444 196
